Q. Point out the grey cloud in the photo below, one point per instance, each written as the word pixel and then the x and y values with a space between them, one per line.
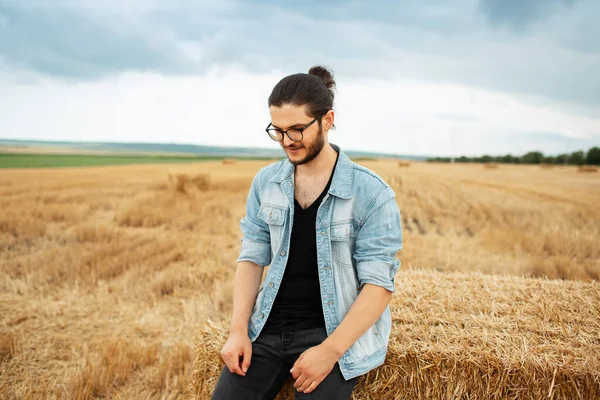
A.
pixel 62 43
pixel 434 41
pixel 519 14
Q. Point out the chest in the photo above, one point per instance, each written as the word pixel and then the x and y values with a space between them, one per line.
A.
pixel 307 191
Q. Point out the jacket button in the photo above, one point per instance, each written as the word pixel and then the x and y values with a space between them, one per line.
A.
pixel 271 284
pixel 262 315
pixel 282 253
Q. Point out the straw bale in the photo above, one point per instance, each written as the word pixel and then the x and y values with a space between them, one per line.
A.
pixel 547 166
pixel 471 335
pixel 491 165
pixel 182 183
pixel 403 163
pixel 229 161
pixel 363 159
pixel 587 168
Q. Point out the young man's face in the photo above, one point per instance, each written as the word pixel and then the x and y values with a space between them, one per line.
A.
pixel 313 138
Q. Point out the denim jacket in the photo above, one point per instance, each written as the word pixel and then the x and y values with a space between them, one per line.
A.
pixel 358 233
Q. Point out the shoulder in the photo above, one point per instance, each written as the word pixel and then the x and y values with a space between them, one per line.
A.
pixel 369 184
pixel 268 172
pixel 367 176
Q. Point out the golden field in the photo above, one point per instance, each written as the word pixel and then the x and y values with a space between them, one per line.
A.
pixel 109 274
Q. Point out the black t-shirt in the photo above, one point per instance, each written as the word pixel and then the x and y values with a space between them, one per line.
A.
pixel 298 301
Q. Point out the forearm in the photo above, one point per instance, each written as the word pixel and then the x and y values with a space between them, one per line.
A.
pixel 366 309
pixel 247 280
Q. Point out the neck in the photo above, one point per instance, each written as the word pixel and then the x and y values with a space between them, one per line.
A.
pixel 322 164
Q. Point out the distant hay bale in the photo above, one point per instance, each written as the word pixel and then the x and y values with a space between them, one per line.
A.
pixel 547 166
pixel 201 181
pixel 587 168
pixel 403 163
pixel 181 183
pixel 363 159
pixel 491 165
pixel 229 161
pixel 470 335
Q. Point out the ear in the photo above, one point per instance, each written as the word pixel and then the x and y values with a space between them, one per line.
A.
pixel 328 120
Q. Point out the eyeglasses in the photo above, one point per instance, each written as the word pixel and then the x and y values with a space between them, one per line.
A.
pixel 295 134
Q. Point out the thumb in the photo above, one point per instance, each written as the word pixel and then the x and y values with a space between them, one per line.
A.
pixel 247 357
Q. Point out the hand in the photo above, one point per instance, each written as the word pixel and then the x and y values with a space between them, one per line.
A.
pixel 238 346
pixel 312 367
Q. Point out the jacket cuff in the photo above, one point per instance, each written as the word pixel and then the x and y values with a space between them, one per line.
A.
pixel 378 273
pixel 256 252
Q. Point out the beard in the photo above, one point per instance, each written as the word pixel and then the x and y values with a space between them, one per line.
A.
pixel 312 149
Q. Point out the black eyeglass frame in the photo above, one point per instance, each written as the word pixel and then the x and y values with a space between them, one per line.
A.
pixel 285 132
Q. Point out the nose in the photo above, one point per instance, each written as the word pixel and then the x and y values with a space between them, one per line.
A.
pixel 287 141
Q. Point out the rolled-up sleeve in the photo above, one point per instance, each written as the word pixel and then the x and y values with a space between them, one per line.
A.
pixel 256 241
pixel 377 242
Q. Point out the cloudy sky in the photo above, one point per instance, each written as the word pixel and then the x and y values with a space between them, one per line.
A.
pixel 498 76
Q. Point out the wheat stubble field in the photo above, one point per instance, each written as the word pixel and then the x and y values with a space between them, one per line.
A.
pixel 109 276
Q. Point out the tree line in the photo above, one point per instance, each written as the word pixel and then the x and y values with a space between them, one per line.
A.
pixel 591 157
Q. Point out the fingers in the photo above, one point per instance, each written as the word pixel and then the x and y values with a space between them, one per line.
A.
pixel 307 385
pixel 295 372
pixel 232 361
pixel 228 363
pixel 302 379
pixel 297 369
pixel 225 358
pixel 311 387
pixel 236 354
pixel 247 357
pixel 236 365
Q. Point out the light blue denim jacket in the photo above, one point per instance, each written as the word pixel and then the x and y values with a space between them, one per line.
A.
pixel 358 232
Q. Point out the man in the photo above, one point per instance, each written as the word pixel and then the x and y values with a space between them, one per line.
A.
pixel 329 230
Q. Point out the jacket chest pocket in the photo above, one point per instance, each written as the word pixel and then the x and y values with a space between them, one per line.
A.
pixel 342 242
pixel 274 217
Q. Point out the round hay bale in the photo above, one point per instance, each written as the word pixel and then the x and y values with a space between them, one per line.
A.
pixel 363 159
pixel 403 163
pixel 177 182
pixel 491 165
pixel 471 335
pixel 201 181
pixel 182 183
pixel 547 166
pixel 228 161
pixel 587 168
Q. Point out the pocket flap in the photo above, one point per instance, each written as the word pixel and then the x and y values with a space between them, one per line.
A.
pixel 341 231
pixel 272 215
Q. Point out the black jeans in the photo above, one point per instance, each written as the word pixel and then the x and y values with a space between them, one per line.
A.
pixel 273 355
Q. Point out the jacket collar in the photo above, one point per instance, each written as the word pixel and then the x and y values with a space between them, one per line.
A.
pixel 341 184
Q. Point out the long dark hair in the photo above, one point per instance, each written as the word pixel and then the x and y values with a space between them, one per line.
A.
pixel 314 90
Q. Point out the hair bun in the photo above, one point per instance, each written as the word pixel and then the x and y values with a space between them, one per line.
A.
pixel 325 74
